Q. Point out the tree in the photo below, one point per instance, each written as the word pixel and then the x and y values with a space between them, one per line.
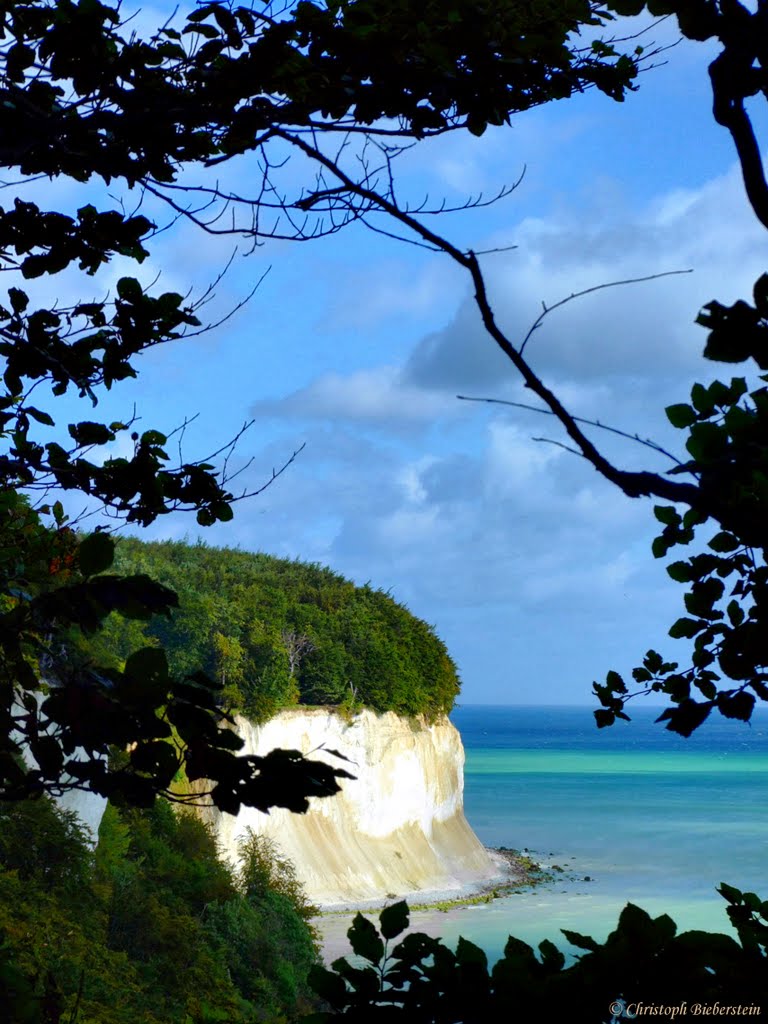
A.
pixel 297 645
pixel 84 97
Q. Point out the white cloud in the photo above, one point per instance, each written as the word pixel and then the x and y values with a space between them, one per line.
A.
pixel 515 463
pixel 371 397
pixel 643 330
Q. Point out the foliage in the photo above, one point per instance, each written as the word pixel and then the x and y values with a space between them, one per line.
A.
pixel 140 108
pixel 643 960
pixel 168 723
pixel 150 926
pixel 263 869
pixel 274 632
pixel 726 599
pixel 269 925
pixel 87 99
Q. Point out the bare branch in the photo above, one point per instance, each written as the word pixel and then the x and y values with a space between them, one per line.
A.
pixel 633 484
pixel 646 441
pixel 560 444
pixel 546 310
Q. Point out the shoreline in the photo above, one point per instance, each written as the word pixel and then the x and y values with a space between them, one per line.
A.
pixel 519 873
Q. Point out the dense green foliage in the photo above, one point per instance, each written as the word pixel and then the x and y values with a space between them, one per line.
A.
pixel 151 927
pixel 643 963
pixel 274 632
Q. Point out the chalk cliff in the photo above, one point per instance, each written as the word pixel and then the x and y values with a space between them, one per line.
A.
pixel 397 829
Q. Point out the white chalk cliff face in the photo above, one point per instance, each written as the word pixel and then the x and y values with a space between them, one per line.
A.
pixel 396 830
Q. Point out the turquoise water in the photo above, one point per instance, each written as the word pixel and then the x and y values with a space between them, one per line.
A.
pixel 648 816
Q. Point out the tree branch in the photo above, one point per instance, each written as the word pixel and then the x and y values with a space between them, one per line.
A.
pixel 646 441
pixel 633 484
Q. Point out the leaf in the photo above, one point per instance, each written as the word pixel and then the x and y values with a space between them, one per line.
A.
pixel 680 572
pixel 129 290
pixel 96 553
pixel 364 980
pixel 681 415
pixel 735 613
pixel 760 295
pixel 667 514
pixel 393 920
pixel 157 758
pixel 740 705
pixel 615 682
pixel 328 986
pixel 467 953
pixel 686 628
pixel 87 433
pixel 580 941
pixel 19 300
pixel 707 688
pixel 415 947
pixel 701 399
pixel 222 511
pixel 552 958
pixel 604 718
pixel 686 717
pixel 660 546
pixel 365 940
pixel 752 900
pixel 724 542
pixel 192 723
pixel 48 754
pixel 153 438
pixel 730 893
pixel 147 661
pixel 635 919
pixel 40 416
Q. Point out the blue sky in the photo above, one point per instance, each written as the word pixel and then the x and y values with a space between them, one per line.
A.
pixel 536 573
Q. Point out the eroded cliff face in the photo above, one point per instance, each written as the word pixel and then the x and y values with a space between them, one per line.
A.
pixel 397 829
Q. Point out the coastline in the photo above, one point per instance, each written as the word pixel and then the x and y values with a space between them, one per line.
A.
pixel 518 872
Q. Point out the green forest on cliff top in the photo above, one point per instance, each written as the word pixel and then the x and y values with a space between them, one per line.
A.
pixel 277 633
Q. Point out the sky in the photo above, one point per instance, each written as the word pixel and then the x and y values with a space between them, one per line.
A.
pixel 535 572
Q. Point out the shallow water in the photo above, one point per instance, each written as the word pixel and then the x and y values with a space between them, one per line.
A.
pixel 647 815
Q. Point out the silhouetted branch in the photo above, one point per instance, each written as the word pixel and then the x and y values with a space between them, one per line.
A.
pixel 646 441
pixel 546 310
pixel 634 484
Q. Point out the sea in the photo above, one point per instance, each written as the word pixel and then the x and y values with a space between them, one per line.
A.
pixel 631 813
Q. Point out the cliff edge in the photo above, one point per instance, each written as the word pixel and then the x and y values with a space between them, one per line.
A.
pixel 398 829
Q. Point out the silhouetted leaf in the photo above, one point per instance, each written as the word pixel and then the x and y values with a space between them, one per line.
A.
pixel 96 553
pixel 328 985
pixel 365 940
